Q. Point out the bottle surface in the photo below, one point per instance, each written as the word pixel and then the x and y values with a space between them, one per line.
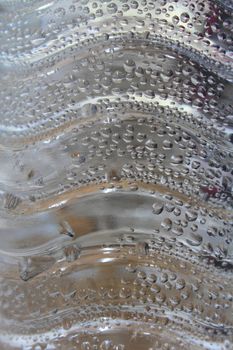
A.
pixel 116 180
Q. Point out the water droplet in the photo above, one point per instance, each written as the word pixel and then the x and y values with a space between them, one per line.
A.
pixel 191 215
pixel 112 8
pixel 184 17
pixel 129 65
pixel 157 208
pixel 72 253
pixel 166 224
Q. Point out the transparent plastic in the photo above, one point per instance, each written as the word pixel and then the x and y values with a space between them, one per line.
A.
pixel 116 174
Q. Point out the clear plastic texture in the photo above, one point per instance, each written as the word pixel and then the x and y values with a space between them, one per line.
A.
pixel 116 175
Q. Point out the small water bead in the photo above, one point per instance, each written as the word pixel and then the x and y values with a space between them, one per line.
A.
pixel 151 145
pixel 184 17
pixel 212 231
pixel 167 144
pixel 157 208
pixel 125 292
pixel 160 298
pixel 142 248
pixel 141 137
pixel 178 231
pixel 152 278
pixel 177 211
pixel 72 253
pixel 86 346
pixel 119 347
pixel 112 8
pixel 175 19
pixel 67 324
pixel 166 224
pixel 176 159
pixel 191 215
pixel 37 347
pixel 129 65
pixel 194 227
pixel 169 207
pixel 130 268
pixel 155 288
pixel 141 274
pixel 60 11
pixel 196 239
pixel 180 284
